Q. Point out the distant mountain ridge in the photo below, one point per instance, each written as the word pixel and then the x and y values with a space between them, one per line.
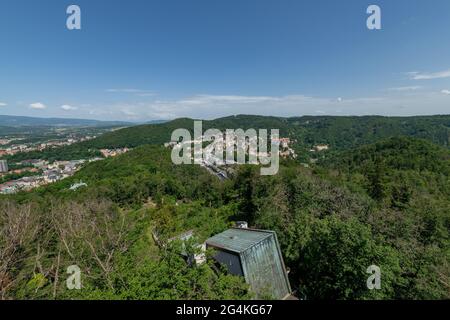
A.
pixel 24 121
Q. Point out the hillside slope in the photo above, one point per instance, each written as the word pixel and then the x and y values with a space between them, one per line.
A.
pixel 339 132
pixel 399 153
pixel 348 132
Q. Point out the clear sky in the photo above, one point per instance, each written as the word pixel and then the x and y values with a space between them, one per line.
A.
pixel 161 59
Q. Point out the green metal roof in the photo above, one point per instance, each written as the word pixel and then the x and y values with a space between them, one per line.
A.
pixel 260 259
pixel 238 240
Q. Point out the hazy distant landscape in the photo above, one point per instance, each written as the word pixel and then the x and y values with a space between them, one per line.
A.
pixel 21 121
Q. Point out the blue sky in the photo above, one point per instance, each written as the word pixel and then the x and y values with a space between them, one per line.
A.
pixel 161 59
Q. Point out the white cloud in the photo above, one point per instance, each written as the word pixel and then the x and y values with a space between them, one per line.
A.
pixel 2 104
pixel 429 76
pixel 208 106
pixel 129 113
pixel 214 106
pixel 68 107
pixel 204 99
pixel 447 92
pixel 38 105
pixel 410 88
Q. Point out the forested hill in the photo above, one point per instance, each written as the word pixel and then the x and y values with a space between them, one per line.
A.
pixel 398 153
pixel 160 133
pixel 339 132
pixel 397 171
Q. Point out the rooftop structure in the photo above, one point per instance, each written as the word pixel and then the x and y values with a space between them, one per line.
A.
pixel 255 255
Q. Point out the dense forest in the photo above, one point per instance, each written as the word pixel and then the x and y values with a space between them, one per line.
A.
pixel 340 133
pixel 381 196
